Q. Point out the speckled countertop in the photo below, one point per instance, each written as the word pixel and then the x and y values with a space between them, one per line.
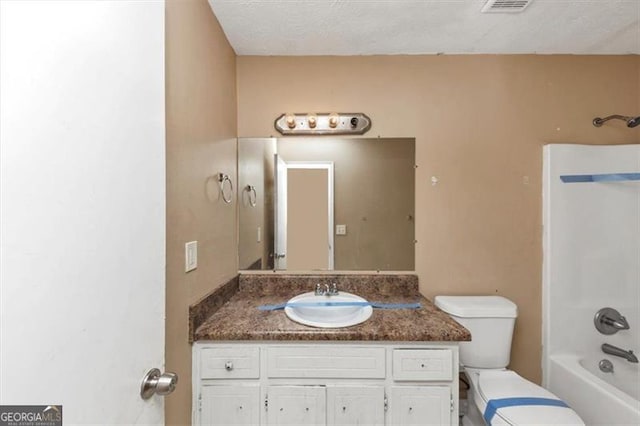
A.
pixel 231 312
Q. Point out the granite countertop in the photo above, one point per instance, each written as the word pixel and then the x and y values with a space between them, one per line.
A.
pixel 233 314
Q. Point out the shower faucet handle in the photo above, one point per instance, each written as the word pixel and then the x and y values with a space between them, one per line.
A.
pixel 620 323
pixel 609 321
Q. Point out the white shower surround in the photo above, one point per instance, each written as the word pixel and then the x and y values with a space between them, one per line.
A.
pixel 591 260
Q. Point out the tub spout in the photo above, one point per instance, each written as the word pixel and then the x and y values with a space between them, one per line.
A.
pixel 615 351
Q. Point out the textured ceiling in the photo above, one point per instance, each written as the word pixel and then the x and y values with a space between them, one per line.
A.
pixel 386 27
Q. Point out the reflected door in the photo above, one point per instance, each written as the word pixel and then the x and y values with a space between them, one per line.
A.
pixel 310 216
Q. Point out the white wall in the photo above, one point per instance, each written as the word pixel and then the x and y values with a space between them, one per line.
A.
pixel 591 251
pixel 82 206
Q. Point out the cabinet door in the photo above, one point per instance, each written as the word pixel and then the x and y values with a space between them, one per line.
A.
pixel 230 405
pixel 355 405
pixel 296 405
pixel 423 405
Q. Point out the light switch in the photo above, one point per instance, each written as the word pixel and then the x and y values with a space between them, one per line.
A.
pixel 190 256
pixel 341 229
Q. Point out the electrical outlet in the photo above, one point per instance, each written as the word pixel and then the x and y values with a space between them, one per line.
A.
pixel 341 229
pixel 190 256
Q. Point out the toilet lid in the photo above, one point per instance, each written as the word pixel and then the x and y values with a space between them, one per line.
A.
pixel 507 384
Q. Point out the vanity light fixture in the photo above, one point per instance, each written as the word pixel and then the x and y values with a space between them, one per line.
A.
pixel 342 123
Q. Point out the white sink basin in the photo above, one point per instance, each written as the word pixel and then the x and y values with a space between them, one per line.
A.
pixel 313 310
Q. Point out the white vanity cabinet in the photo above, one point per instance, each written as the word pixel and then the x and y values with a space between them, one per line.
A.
pixel 356 405
pixel 332 383
pixel 229 404
pixel 296 405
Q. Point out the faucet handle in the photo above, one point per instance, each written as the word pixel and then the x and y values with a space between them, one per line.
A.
pixel 621 324
pixel 334 288
pixel 609 321
pixel 319 291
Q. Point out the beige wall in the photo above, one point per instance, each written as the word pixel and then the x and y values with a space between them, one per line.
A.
pixel 201 127
pixel 479 123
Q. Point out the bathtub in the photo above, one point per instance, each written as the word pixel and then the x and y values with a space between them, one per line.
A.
pixel 599 398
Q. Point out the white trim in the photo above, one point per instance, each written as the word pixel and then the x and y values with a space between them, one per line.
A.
pixel 327 165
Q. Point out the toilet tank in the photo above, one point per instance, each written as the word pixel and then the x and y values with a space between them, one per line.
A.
pixel 490 319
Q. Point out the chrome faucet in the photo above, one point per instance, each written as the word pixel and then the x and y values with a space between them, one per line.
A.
pixel 610 321
pixel 615 351
pixel 326 290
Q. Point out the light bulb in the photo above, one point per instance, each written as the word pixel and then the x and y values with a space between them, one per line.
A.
pixel 312 120
pixel 291 121
pixel 333 120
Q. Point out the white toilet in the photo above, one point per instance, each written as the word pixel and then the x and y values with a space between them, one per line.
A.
pixel 498 396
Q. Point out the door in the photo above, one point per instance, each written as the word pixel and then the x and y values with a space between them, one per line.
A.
pixel 229 405
pixel 355 405
pixel 83 207
pixel 280 229
pixel 420 405
pixel 296 405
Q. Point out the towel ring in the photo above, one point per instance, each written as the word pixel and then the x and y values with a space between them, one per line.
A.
pixel 222 178
pixel 252 191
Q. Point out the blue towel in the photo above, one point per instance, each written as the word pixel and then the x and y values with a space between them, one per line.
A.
pixel 607 177
pixel 328 303
pixel 495 404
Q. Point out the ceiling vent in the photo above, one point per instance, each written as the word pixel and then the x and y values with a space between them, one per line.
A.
pixel 505 6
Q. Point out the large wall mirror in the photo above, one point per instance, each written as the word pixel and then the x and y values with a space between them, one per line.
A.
pixel 326 203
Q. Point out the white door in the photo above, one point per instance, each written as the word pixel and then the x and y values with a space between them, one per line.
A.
pixel 280 228
pixel 229 405
pixel 355 405
pixel 296 405
pixel 82 210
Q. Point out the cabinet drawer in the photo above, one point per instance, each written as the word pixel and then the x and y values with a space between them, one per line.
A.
pixel 422 364
pixel 230 363
pixel 325 362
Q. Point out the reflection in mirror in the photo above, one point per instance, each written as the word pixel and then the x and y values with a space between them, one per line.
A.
pixel 326 203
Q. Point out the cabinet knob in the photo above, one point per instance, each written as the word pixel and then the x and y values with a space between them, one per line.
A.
pixel 228 365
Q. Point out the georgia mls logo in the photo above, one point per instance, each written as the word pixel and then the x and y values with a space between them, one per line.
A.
pixel 30 415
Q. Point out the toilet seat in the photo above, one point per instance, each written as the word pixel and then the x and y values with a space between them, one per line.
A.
pixel 499 384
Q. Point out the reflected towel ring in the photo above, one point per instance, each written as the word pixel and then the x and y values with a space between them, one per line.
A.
pixel 252 191
pixel 222 178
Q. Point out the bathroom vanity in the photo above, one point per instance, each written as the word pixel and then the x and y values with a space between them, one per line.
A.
pixel 252 367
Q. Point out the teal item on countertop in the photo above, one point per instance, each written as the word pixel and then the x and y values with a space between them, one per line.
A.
pixel 334 304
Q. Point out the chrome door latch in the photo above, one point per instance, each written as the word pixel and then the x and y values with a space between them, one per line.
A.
pixel 154 382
